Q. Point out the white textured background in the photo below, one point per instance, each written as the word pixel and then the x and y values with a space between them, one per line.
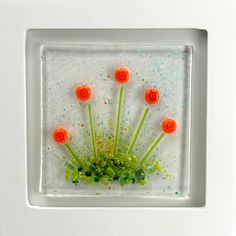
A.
pixel 166 68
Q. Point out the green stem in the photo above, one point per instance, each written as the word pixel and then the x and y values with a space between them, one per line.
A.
pixel 151 148
pixel 138 130
pixel 118 118
pixel 71 151
pixel 92 130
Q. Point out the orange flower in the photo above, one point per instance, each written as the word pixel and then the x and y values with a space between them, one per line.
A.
pixel 60 135
pixel 169 126
pixel 152 96
pixel 83 93
pixel 122 75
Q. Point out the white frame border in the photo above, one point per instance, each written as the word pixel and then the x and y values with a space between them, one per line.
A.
pixel 218 216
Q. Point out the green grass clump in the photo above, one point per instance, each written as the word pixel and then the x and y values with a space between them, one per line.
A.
pixel 122 168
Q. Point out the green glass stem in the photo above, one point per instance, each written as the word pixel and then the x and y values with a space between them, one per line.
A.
pixel 138 130
pixel 118 118
pixel 69 148
pixel 92 130
pixel 155 143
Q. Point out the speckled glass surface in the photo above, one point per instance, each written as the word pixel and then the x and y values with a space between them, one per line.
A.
pixel 168 68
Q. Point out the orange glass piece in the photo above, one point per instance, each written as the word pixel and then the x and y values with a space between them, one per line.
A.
pixel 152 96
pixel 83 93
pixel 122 75
pixel 60 135
pixel 169 126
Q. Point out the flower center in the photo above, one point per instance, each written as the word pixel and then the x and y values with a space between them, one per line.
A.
pixel 153 96
pixel 169 126
pixel 84 93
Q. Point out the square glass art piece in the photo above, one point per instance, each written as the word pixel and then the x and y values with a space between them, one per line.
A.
pixel 115 120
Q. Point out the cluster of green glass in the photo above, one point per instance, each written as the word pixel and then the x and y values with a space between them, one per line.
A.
pixel 107 167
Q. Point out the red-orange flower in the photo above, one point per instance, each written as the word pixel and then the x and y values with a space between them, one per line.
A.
pixel 122 75
pixel 83 93
pixel 60 135
pixel 152 96
pixel 169 126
